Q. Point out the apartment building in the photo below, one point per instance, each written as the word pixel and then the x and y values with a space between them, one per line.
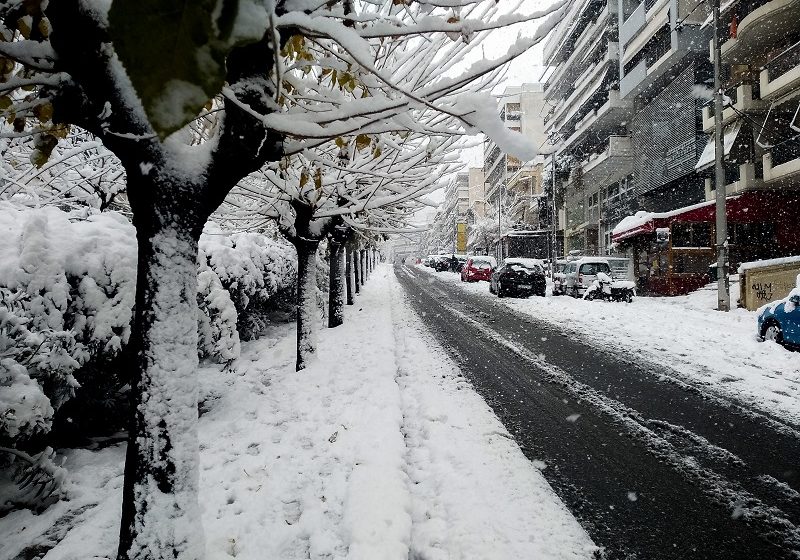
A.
pixel 476 195
pixel 760 44
pixel 761 119
pixel 450 224
pixel 521 109
pixel 586 116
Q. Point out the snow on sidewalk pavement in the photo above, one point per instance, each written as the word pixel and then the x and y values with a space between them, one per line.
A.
pixel 378 450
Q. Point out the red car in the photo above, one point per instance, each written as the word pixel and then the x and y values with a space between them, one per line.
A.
pixel 478 268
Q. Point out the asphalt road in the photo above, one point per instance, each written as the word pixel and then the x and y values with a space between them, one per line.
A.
pixel 652 469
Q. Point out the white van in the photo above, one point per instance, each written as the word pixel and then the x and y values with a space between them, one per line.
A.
pixel 579 274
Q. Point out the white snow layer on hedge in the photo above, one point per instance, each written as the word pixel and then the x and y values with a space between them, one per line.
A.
pixel 67 287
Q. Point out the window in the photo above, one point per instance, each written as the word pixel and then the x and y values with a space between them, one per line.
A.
pixel 691 262
pixel 687 234
pixel 756 234
pixel 591 269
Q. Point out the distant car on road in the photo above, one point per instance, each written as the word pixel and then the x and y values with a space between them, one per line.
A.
pixel 520 277
pixel 779 321
pixel 478 268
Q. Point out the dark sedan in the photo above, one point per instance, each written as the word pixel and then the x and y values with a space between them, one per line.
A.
pixel 518 277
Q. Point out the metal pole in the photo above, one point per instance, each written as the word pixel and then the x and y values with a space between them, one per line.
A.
pixel 723 292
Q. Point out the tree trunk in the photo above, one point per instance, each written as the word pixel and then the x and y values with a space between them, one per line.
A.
pixel 306 300
pixel 160 512
pixel 357 272
pixel 362 257
pixel 349 274
pixel 336 285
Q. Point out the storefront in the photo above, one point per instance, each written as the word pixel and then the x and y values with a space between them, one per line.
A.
pixel 672 251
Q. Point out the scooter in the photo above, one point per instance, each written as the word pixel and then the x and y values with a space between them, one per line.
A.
pixel 607 289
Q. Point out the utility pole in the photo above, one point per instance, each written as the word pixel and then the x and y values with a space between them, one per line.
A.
pixel 723 289
pixel 554 217
pixel 500 209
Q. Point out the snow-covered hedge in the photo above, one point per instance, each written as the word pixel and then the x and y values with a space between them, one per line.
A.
pixel 67 287
pixel 67 283
pixel 258 271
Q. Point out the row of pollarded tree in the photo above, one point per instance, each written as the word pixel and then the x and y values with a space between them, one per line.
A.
pixel 303 95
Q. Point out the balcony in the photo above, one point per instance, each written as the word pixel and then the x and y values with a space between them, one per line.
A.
pixel 762 25
pixel 782 74
pixel 586 86
pixel 606 117
pixel 782 164
pixel 642 27
pixel 740 178
pixel 742 99
pixel 562 42
pixel 611 164
pixel 635 22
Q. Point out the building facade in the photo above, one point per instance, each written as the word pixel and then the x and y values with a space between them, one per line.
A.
pixel 673 247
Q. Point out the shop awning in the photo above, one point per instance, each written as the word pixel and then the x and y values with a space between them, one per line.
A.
pixel 709 152
pixel 748 207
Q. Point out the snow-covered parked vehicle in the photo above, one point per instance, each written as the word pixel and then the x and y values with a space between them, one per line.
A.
pixel 518 276
pixel 581 273
pixel 606 288
pixel 478 268
pixel 779 321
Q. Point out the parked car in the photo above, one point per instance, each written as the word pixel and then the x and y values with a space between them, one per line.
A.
pixel 779 321
pixel 580 274
pixel 478 268
pixel 519 277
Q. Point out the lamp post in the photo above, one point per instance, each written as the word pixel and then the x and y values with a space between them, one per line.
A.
pixel 723 291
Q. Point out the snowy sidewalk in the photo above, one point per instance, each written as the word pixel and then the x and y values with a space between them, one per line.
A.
pixel 378 450
pixel 716 352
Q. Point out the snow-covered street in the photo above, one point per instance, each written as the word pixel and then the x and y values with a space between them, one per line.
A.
pixel 381 451
pixel 652 465
pixel 715 352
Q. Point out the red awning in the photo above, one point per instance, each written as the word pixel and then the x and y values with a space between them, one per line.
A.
pixel 647 227
pixel 749 207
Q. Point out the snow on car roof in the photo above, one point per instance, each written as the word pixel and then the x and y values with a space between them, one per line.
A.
pixel 524 261
pixel 584 260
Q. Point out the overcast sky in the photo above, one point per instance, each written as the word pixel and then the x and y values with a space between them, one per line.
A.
pixel 526 68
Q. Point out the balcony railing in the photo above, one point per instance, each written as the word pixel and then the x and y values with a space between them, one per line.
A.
pixel 786 151
pixel 784 62
pixel 782 73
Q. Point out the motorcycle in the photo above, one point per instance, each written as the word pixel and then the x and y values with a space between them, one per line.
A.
pixel 607 289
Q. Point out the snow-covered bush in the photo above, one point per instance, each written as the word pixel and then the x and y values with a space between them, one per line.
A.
pixel 69 280
pixel 258 270
pixel 66 299
pixel 218 338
